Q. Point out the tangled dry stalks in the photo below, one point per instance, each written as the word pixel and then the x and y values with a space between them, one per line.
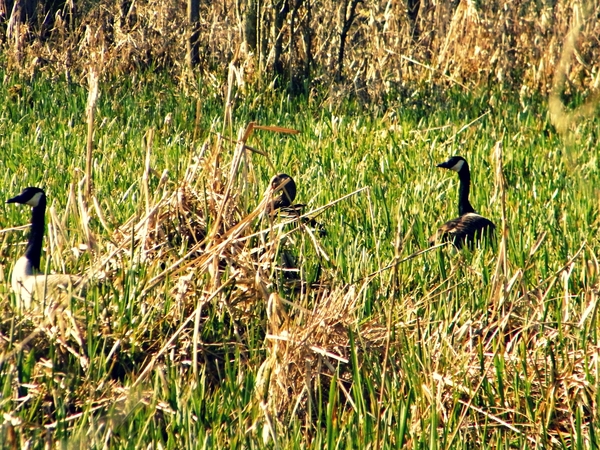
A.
pixel 384 48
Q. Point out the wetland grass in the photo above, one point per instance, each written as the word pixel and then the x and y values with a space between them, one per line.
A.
pixel 198 340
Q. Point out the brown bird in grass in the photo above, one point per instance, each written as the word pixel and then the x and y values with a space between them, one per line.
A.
pixel 469 227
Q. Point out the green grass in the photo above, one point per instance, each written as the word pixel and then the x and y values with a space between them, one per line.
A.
pixel 465 368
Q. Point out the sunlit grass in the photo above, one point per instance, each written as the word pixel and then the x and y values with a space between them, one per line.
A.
pixel 465 365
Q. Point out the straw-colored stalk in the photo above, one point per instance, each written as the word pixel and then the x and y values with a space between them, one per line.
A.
pixel 91 113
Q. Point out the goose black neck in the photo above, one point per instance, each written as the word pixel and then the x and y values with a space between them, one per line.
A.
pixel 464 206
pixel 36 235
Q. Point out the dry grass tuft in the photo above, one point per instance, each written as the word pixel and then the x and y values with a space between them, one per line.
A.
pixel 499 355
pixel 199 238
pixel 306 349
pixel 231 260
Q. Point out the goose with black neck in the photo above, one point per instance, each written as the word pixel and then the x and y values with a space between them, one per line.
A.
pixel 28 282
pixel 469 227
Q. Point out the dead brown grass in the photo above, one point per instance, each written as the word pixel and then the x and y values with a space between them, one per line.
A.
pixel 308 349
pixel 512 44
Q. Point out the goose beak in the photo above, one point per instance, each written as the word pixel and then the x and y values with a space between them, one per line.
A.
pixel 14 199
pixel 443 165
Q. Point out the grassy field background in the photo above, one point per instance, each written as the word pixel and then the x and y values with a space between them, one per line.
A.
pixel 379 350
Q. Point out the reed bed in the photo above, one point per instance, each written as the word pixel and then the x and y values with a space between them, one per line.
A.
pixel 367 50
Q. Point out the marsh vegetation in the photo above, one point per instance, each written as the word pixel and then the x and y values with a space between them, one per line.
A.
pixel 213 324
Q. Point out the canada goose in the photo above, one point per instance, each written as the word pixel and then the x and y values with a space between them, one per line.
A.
pixel 27 280
pixel 287 186
pixel 469 226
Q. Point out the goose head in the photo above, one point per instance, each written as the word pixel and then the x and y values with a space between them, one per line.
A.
pixel 456 163
pixel 32 196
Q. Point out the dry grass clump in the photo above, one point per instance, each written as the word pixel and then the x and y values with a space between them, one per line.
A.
pixel 231 265
pixel 217 256
pixel 199 239
pixel 308 349
pixel 520 372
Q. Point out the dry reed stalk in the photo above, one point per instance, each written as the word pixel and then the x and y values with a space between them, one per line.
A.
pixel 84 217
pixel 91 113
pixel 70 207
pixel 56 240
pixel 500 277
pixel 148 138
pixel 228 110
pixel 268 428
pixel 198 116
pixel 16 31
pixel 101 217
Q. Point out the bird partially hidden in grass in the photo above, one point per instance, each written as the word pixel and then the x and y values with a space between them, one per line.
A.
pixel 28 281
pixel 469 227
pixel 286 186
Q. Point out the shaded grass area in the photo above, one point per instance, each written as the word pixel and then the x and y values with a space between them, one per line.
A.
pixel 427 353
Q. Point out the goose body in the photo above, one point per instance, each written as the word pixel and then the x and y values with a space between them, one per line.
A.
pixel 286 185
pixel 469 227
pixel 27 281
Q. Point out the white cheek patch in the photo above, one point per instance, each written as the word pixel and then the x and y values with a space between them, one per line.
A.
pixel 456 167
pixel 35 200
